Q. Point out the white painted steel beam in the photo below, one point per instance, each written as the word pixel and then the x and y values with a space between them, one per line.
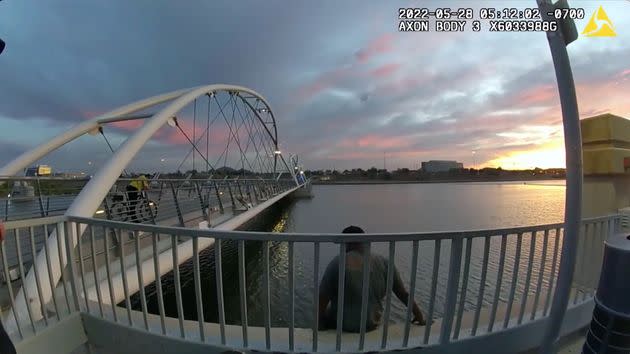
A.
pixel 27 158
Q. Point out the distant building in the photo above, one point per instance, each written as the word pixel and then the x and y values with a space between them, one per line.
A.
pixel 441 166
pixel 38 171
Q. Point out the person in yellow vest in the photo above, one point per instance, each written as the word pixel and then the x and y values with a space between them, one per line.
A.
pixel 134 188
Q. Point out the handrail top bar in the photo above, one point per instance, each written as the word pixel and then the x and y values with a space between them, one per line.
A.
pixel 52 178
pixel 322 237
pixel 17 224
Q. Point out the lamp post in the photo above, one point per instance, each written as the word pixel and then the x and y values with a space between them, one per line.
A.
pixel 558 41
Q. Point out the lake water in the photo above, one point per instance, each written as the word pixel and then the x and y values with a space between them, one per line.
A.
pixel 376 208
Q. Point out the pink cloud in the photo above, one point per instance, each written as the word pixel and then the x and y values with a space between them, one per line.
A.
pixel 375 141
pixel 379 45
pixel 385 70
pixel 325 81
pixel 624 74
pixel 536 95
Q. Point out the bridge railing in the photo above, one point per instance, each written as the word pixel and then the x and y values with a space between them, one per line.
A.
pixel 167 201
pixel 468 283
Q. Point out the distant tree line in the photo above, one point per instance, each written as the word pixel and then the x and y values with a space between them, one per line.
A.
pixel 406 174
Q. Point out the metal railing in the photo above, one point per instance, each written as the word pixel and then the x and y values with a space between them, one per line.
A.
pixel 181 202
pixel 468 283
pixel 167 201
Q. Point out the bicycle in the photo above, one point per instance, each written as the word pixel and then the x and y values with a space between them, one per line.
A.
pixel 144 209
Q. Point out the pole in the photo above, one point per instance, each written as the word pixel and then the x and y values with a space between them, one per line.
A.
pixel 573 198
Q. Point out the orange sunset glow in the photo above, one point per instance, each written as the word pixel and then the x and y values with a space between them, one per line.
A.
pixel 551 155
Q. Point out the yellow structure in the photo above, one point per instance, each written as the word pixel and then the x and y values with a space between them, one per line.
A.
pixel 606 163
pixel 606 145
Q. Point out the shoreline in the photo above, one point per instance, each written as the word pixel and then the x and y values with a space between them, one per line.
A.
pixel 355 182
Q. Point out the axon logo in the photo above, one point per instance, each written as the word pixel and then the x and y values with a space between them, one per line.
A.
pixel 599 25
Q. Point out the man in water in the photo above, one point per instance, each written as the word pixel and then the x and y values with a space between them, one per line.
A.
pixel 354 287
pixel 6 347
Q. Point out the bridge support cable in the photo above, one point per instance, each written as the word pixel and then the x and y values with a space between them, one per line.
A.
pixel 190 141
pixel 100 129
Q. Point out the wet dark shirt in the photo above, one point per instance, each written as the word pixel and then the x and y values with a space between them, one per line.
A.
pixel 353 290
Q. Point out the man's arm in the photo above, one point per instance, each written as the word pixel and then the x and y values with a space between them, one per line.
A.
pixel 403 296
pixel 1 231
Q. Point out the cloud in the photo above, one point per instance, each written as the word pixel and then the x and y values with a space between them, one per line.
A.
pixel 386 70
pixel 340 88
pixel 380 45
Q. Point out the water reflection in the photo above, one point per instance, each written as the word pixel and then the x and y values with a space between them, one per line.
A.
pixel 381 208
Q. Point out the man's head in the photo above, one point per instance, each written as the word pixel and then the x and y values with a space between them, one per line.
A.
pixel 353 246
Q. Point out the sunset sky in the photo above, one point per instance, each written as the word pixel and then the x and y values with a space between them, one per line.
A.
pixel 346 87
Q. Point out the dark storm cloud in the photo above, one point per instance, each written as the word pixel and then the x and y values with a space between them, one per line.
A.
pixel 335 73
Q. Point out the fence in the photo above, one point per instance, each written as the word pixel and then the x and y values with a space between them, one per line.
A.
pixel 166 201
pixel 479 283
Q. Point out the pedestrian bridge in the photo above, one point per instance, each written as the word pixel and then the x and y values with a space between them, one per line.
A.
pixel 84 258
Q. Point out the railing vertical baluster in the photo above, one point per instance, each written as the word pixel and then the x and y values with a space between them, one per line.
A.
pixel 61 238
pixel 541 273
pixel 388 296
pixel 552 276
pixel 482 284
pixel 218 194
pixel 143 298
pixel 412 289
pixel 178 284
pixel 37 280
pixel 497 292
pixel 77 229
pixel 5 268
pixel 178 209
pixel 198 294
pixel 106 233
pixel 219 282
pixel 464 288
pixel 231 196
pixel 243 290
pixel 73 273
pixel 99 296
pixel 528 276
pixel 204 211
pixel 578 266
pixel 123 273
pixel 588 240
pixel 267 295
pixel 341 290
pixel 158 281
pixel 451 289
pixel 315 295
pixel 434 281
pixel 291 296
pixel 515 270
pixel 365 292
pixel 249 193
pixel 49 268
pixel 240 191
